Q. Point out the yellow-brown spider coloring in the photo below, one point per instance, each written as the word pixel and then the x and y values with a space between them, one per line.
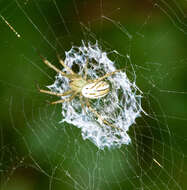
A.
pixel 80 86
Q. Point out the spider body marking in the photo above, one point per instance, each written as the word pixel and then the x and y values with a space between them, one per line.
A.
pixel 88 89
pixel 96 90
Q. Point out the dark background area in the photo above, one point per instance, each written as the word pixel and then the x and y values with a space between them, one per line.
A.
pixel 38 152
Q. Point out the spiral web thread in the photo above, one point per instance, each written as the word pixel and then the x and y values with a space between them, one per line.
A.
pixel 120 107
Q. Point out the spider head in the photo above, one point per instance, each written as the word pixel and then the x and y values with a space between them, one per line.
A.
pixel 77 83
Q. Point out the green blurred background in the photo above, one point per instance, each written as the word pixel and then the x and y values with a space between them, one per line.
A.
pixel 38 152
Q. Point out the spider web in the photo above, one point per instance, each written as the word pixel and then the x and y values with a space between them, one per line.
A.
pixel 39 152
pixel 120 107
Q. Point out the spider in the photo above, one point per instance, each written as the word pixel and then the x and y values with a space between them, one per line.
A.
pixel 82 87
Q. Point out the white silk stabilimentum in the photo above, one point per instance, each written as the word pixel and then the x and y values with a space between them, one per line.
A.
pixel 120 107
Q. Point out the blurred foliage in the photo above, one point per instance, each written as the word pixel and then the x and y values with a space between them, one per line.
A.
pixel 38 152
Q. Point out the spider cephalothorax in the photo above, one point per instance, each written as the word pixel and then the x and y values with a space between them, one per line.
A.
pixel 85 89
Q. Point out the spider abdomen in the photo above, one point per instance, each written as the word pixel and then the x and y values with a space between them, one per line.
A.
pixel 96 90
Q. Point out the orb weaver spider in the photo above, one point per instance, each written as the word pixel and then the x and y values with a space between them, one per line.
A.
pixel 81 86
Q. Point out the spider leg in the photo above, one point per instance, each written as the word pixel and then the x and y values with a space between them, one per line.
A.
pixel 86 70
pixel 106 75
pixel 66 99
pixel 53 67
pixel 100 117
pixel 55 93
pixel 64 65
pixel 82 104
